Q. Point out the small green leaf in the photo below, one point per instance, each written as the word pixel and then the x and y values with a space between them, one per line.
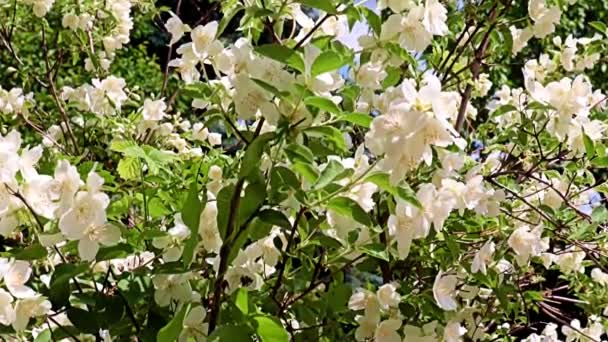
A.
pixel 306 170
pixel 348 207
pixel 129 168
pixel 381 179
pixel 326 62
pixel 269 329
pixel 44 336
pixel 85 321
pixel 255 194
pixel 253 154
pixel 276 218
pixel 375 250
pixel 242 300
pixel 323 103
pixel 361 119
pixel 589 146
pixel 191 213
pixel 33 252
pixel 224 200
pixel 503 110
pixel 283 54
pixel 227 17
pixel 296 152
pixel 373 20
pixel 329 173
pixel 230 333
pixel 333 134
pixel 172 330
pixel 270 88
pixel 600 162
pixel 599 26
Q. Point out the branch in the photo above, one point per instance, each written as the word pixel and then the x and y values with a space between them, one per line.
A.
pixel 475 70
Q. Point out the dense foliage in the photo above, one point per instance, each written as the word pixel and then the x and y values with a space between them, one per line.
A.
pixel 306 170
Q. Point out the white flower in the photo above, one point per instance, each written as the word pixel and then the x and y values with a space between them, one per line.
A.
pixel 370 75
pixel 600 277
pixel 520 38
pixel 435 16
pixel 40 7
pixel 483 257
pixel 171 287
pixel 214 139
pixel 194 326
pixel 27 308
pixel 7 314
pixel 453 332
pixel 154 110
pixel 387 331
pixel 86 220
pixel 199 132
pixel 570 260
pixel 9 159
pixel 176 28
pixel 527 243
pixel 172 244
pixel 369 320
pixel 17 274
pixel 208 230
pixel 358 300
pixel 388 296
pixel 29 159
pixel 544 18
pixel 250 99
pixel 203 38
pixel 444 291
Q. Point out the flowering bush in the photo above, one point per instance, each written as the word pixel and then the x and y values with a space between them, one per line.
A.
pixel 306 170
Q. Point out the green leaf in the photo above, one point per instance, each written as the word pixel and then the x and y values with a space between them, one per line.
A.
pixel 301 153
pixel 348 207
pixel 326 62
pixel 191 213
pixel 269 329
pixel 224 201
pixel 227 17
pixel 253 154
pixel 381 179
pixel 122 146
pixel 129 168
pixel 275 218
pixel 85 321
pixel 600 162
pixel 172 330
pixel 329 173
pixel 120 250
pixel 599 26
pixel 392 78
pixel 230 333
pixel 333 134
pixel 59 289
pixel 306 170
pixel 270 88
pixel 44 336
pixel 375 250
pixel 589 146
pixel 503 110
pixel 242 300
pixel 361 119
pixel 255 194
pixel 283 54
pixel 33 252
pixel 323 103
pixel 373 20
